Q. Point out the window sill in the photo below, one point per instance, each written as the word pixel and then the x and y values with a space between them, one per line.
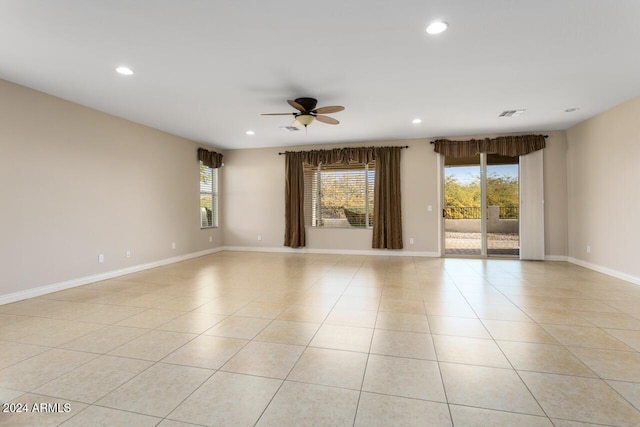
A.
pixel 208 228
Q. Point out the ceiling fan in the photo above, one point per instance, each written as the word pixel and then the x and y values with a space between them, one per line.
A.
pixel 307 112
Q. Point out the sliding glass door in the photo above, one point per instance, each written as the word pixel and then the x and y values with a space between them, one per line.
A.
pixel 462 213
pixel 503 213
pixel 481 206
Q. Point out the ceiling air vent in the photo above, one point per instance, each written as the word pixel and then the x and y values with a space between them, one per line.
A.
pixel 511 113
pixel 289 128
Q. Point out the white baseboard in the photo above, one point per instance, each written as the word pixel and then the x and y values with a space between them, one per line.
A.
pixel 556 258
pixel 368 252
pixel 60 286
pixel 47 289
pixel 605 270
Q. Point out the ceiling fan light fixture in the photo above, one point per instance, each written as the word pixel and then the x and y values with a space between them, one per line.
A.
pixel 437 27
pixel 307 112
pixel 305 119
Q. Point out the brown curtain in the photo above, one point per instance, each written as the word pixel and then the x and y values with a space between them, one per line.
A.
pixel 511 146
pixel 210 158
pixel 294 200
pixel 387 228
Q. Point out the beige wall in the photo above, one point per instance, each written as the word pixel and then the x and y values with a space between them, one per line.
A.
pixel 603 180
pixel 75 183
pixel 254 199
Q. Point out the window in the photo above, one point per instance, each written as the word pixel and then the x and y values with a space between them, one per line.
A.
pixel 208 196
pixel 339 195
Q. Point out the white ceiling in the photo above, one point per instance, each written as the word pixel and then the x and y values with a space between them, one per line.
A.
pixel 205 70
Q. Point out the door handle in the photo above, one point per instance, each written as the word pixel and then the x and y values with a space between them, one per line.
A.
pixel 444 213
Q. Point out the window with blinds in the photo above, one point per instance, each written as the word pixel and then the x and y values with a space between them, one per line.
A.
pixel 339 195
pixel 208 196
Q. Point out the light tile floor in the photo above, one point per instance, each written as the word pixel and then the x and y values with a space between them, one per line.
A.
pixel 243 339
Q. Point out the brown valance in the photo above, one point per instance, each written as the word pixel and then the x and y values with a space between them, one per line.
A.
pixel 210 158
pixel 511 146
pixel 338 155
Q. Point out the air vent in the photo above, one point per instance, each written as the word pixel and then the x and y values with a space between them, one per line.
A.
pixel 289 128
pixel 511 113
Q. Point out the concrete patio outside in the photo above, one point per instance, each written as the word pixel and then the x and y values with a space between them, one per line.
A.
pixel 502 244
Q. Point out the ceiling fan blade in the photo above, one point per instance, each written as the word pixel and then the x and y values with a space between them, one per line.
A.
pixel 277 114
pixel 295 105
pixel 327 110
pixel 327 119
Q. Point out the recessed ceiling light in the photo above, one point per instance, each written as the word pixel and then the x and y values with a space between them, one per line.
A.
pixel 124 71
pixel 437 27
pixel 571 110
pixel 416 121
pixel 250 132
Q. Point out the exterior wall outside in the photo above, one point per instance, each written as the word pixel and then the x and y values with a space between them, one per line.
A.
pixel 494 223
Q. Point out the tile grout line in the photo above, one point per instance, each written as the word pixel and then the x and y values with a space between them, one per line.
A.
pixel 366 363
pixel 505 356
pixel 435 350
pixel 297 360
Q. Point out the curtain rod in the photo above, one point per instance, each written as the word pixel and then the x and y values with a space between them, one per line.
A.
pixel 404 146
pixel 546 136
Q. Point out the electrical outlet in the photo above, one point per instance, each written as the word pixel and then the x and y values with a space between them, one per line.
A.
pixel 173 245
pixel 588 249
pixel 430 208
pixel 411 240
pixel 101 258
pixel 210 239
pixel 128 253
pixel 259 236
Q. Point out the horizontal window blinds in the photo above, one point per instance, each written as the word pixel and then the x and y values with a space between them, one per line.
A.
pixel 208 196
pixel 339 195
